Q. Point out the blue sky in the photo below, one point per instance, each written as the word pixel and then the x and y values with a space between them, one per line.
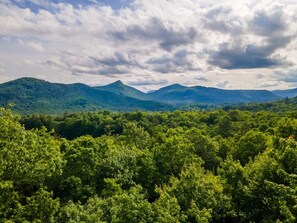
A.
pixel 232 44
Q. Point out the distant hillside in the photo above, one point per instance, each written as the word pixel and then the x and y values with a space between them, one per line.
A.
pixel 290 93
pixel 181 95
pixel 32 95
pixel 283 105
pixel 38 96
pixel 178 94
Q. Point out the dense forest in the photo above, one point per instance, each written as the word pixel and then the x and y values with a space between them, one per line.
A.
pixel 178 166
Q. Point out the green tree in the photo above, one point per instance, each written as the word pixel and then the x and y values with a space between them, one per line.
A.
pixel 199 194
pixel 250 145
pixel 27 158
pixel 40 207
pixel 287 127
pixel 206 148
pixel 173 154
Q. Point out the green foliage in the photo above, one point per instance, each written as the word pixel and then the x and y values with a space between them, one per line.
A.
pixel 172 154
pixel 40 207
pixel 135 136
pixel 250 145
pixel 287 127
pixel 205 148
pixel 283 105
pixel 274 195
pixel 9 200
pixel 130 206
pixel 90 212
pixel 167 209
pixel 199 193
pixel 28 158
pixel 181 166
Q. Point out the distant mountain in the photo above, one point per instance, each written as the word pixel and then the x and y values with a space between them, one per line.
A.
pixel 121 89
pixel 178 94
pixel 38 96
pixel 32 95
pixel 282 105
pixel 290 93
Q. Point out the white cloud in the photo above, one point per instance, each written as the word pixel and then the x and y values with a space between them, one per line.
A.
pixel 160 39
pixel 36 46
pixel 31 44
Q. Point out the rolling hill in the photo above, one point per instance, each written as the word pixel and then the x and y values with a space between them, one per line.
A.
pixel 33 95
pixel 38 96
pixel 280 106
pixel 178 94
pixel 286 93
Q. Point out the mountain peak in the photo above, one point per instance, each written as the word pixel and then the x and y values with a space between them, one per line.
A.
pixel 118 82
pixel 26 79
pixel 120 88
pixel 172 87
pixel 176 85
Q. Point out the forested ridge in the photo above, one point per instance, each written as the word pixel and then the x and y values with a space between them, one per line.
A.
pixel 179 166
pixel 32 95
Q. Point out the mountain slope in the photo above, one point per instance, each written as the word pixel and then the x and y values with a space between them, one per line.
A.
pixel 286 93
pixel 33 95
pixel 178 94
pixel 282 105
pixel 121 89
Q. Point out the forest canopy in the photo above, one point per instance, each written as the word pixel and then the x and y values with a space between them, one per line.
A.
pixel 180 166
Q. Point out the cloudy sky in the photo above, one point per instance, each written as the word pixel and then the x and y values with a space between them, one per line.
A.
pixel 230 44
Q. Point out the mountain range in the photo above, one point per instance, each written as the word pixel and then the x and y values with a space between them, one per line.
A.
pixel 32 95
pixel 38 96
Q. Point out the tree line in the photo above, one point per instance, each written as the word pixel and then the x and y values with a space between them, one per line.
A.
pixel 180 166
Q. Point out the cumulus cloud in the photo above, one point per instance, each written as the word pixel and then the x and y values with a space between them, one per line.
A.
pixel 169 38
pixel 269 21
pixel 289 76
pixel 101 64
pixel 269 32
pixel 180 62
pixel 223 19
pixel 238 56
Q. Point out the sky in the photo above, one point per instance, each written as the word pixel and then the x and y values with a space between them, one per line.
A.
pixel 229 44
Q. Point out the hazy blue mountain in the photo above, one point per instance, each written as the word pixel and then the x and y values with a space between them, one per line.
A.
pixel 33 95
pixel 178 94
pixel 290 93
pixel 121 89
